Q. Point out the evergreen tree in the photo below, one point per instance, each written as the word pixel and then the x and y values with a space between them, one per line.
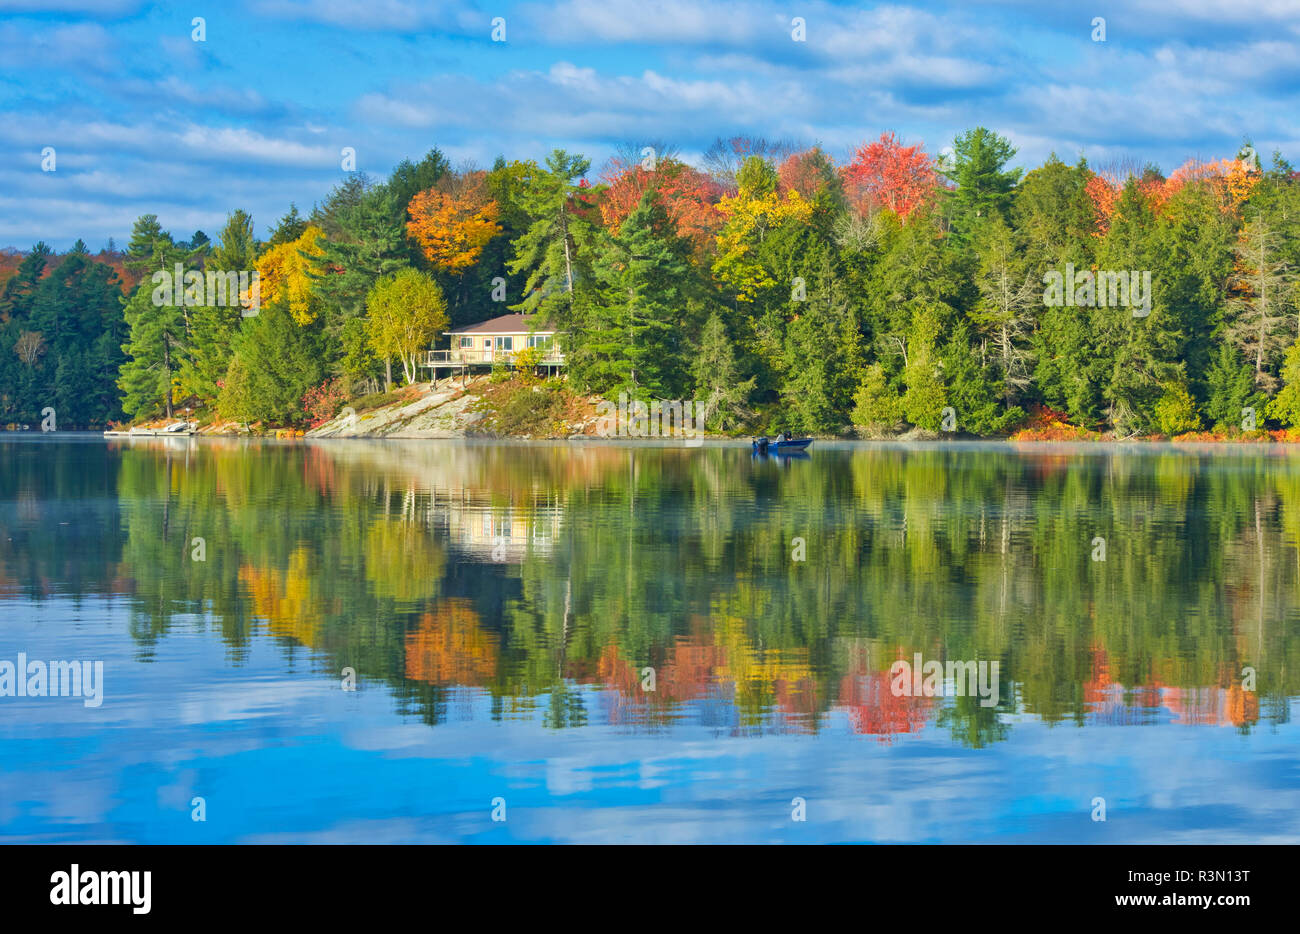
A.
pixel 148 239
pixel 984 185
pixel 973 390
pixel 288 228
pixel 364 241
pixel 1007 308
pixel 75 307
pixel 555 251
pixel 274 364
pixel 877 406
pixel 1194 258
pixel 924 398
pixel 808 392
pixel 408 178
pixel 15 301
pixel 156 347
pixel 214 324
pixel 1231 389
pixel 635 327
pixel 1262 291
pixel 719 385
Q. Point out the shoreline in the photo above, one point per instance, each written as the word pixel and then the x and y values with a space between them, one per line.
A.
pixel 714 443
pixel 510 412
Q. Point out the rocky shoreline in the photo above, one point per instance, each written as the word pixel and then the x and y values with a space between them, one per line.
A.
pixel 472 409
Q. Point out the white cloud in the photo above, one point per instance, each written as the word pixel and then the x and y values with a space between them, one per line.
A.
pixel 79 45
pixel 682 21
pixel 399 15
pixel 92 7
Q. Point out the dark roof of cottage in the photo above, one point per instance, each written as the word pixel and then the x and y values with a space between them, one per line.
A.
pixel 506 324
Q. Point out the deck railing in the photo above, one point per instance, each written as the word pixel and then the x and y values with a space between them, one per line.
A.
pixel 468 356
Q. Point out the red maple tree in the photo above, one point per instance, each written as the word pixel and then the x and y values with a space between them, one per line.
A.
pixel 887 173
pixel 689 197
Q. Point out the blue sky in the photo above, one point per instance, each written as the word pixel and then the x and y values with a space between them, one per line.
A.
pixel 145 120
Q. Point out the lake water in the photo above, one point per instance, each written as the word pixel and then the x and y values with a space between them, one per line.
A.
pixel 618 643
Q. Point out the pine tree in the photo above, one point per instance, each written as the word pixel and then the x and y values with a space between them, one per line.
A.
pixel 554 252
pixel 364 241
pixel 636 325
pixel 1136 347
pixel 142 249
pixel 408 178
pixel 288 228
pixel 214 324
pixel 16 299
pixel 717 376
pixel 877 406
pixel 74 307
pixel 925 397
pixel 1006 311
pixel 274 364
pixel 971 390
pixel 1231 389
pixel 809 389
pixel 156 348
pixel 984 186
pixel 1263 286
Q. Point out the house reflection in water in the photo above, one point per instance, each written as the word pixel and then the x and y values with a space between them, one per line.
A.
pixel 484 505
pixel 480 529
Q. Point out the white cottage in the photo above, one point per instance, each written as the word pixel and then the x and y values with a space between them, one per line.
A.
pixel 496 341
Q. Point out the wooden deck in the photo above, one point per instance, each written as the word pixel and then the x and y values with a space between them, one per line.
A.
pixel 467 356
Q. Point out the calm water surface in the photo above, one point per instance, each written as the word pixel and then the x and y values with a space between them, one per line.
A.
pixel 501 603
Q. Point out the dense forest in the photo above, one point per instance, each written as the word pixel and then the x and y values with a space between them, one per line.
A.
pixel 874 295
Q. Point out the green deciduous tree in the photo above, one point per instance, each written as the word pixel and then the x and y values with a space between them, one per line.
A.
pixel 1285 406
pixel 405 311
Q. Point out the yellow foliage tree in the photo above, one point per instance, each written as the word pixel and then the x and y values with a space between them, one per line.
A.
pixel 283 272
pixel 755 209
pixel 1241 178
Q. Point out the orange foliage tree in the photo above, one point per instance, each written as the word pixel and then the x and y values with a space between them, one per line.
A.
pixel 453 221
pixel 809 172
pixel 1233 180
pixel 885 172
pixel 1103 193
pixel 689 196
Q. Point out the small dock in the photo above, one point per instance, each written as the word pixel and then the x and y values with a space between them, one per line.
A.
pixel 151 433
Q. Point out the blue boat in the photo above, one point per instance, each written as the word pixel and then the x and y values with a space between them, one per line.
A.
pixel 763 445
